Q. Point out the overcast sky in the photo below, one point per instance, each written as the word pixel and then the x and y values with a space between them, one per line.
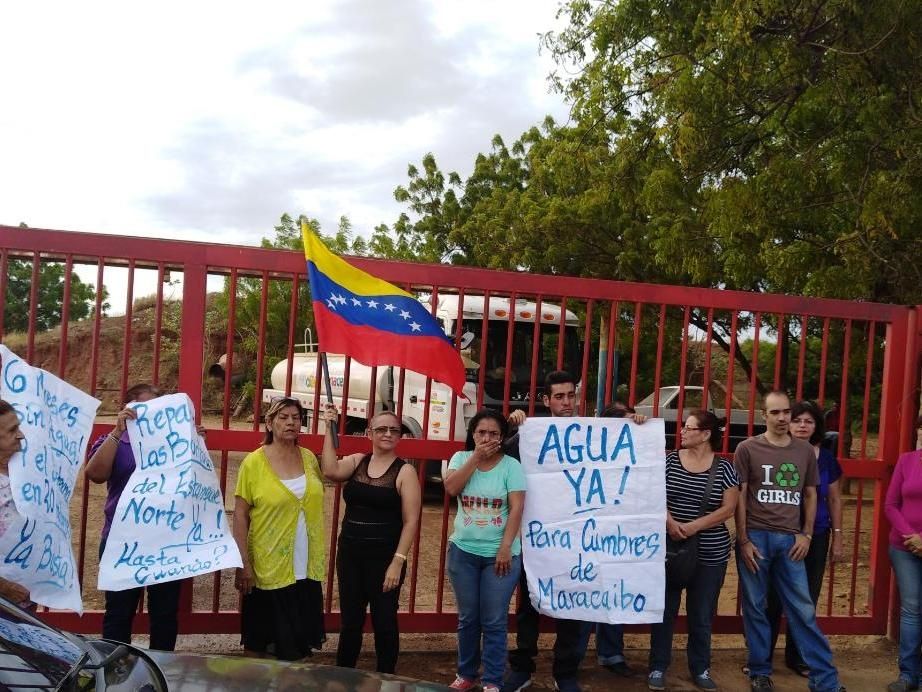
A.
pixel 208 120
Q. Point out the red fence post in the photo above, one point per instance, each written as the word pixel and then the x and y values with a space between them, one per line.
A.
pixel 191 371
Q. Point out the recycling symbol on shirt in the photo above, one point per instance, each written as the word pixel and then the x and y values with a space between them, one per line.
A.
pixel 787 476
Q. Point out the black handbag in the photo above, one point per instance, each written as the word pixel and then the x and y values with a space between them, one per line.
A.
pixel 682 556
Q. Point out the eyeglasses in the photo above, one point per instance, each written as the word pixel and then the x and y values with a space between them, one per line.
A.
pixel 687 427
pixel 385 429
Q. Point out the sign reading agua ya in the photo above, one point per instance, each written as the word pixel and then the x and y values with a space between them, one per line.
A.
pixel 594 527
pixel 170 521
pixel 56 420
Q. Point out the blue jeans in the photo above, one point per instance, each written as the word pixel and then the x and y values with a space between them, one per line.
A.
pixel 908 569
pixel 483 609
pixel 702 594
pixel 609 642
pixel 789 577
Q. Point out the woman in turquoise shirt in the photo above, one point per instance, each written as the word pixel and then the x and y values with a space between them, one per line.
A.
pixel 484 554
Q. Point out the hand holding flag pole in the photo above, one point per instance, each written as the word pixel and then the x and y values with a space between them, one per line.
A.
pixel 326 381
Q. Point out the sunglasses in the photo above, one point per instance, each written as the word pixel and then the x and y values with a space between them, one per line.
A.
pixel 385 429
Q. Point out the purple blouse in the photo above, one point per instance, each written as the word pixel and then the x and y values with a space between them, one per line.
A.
pixel 122 468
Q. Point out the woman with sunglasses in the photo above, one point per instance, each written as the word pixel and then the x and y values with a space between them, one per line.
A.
pixel 383 502
pixel 278 526
pixel 484 553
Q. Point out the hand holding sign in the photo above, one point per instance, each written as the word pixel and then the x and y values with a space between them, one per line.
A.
pixel 593 533
pixel 170 522
pixel 56 419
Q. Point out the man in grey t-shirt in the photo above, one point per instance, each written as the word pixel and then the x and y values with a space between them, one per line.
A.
pixel 774 526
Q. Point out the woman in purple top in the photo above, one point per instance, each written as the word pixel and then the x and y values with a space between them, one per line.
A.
pixel 904 512
pixel 112 462
pixel 807 425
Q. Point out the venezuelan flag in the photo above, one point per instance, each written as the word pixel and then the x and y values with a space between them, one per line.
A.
pixel 375 322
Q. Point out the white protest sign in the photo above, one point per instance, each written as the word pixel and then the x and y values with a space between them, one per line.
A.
pixel 56 419
pixel 170 521
pixel 594 527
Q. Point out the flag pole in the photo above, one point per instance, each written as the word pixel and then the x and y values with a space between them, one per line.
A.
pixel 326 382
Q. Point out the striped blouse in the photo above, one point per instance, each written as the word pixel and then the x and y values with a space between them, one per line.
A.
pixel 684 491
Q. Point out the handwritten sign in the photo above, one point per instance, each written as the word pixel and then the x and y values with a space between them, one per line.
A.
pixel 56 420
pixel 170 521
pixel 594 527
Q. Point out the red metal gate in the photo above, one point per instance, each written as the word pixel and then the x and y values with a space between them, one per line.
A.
pixel 719 348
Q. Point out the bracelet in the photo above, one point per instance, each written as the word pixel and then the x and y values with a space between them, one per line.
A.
pixel 837 530
pixel 742 543
pixel 117 438
pixel 806 535
pixel 401 556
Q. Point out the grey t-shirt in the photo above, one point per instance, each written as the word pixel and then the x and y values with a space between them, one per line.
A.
pixel 776 477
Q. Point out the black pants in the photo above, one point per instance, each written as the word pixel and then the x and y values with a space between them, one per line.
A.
pixel 815 564
pixel 360 573
pixel 162 606
pixel 701 596
pixel 567 650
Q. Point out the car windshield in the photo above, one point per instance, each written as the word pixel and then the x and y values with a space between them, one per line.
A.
pixel 34 655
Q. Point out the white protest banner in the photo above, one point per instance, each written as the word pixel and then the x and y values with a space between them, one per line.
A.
pixel 56 419
pixel 594 527
pixel 170 521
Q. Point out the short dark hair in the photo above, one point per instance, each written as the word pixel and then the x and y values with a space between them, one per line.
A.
pixel 616 409
pixel 710 422
pixel 814 411
pixel 483 414
pixel 557 377
pixel 6 407
pixel 134 391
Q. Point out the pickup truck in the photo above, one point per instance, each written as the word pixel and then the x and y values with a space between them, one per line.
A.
pixel 737 425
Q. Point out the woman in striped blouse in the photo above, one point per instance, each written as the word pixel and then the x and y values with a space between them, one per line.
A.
pixel 687 472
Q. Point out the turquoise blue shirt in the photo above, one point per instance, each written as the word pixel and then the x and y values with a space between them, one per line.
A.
pixel 483 506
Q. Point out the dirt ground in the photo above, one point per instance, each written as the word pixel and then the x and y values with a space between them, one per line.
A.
pixel 866 663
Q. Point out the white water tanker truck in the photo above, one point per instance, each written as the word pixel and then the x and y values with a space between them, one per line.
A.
pixel 359 406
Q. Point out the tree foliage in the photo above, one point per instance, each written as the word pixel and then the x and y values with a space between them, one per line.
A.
pixel 287 235
pixel 49 311
pixel 761 145
pixel 796 129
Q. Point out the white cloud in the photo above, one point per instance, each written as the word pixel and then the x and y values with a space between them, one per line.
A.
pixel 203 120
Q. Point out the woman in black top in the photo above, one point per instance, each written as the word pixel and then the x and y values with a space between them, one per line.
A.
pixel 382 497
pixel 687 471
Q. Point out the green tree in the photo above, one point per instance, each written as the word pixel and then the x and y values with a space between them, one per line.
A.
pixel 795 128
pixel 49 311
pixel 277 318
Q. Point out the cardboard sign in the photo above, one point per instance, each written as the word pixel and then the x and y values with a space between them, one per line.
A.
pixel 594 527
pixel 56 419
pixel 170 521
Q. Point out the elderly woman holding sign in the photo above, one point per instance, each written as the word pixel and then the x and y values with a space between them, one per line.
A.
pixel 112 462
pixel 11 439
pixel 701 494
pixel 484 556
pixel 278 526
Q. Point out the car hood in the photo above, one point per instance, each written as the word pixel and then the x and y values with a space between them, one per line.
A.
pixel 188 672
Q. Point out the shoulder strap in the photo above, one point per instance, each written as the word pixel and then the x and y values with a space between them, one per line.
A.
pixel 712 474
